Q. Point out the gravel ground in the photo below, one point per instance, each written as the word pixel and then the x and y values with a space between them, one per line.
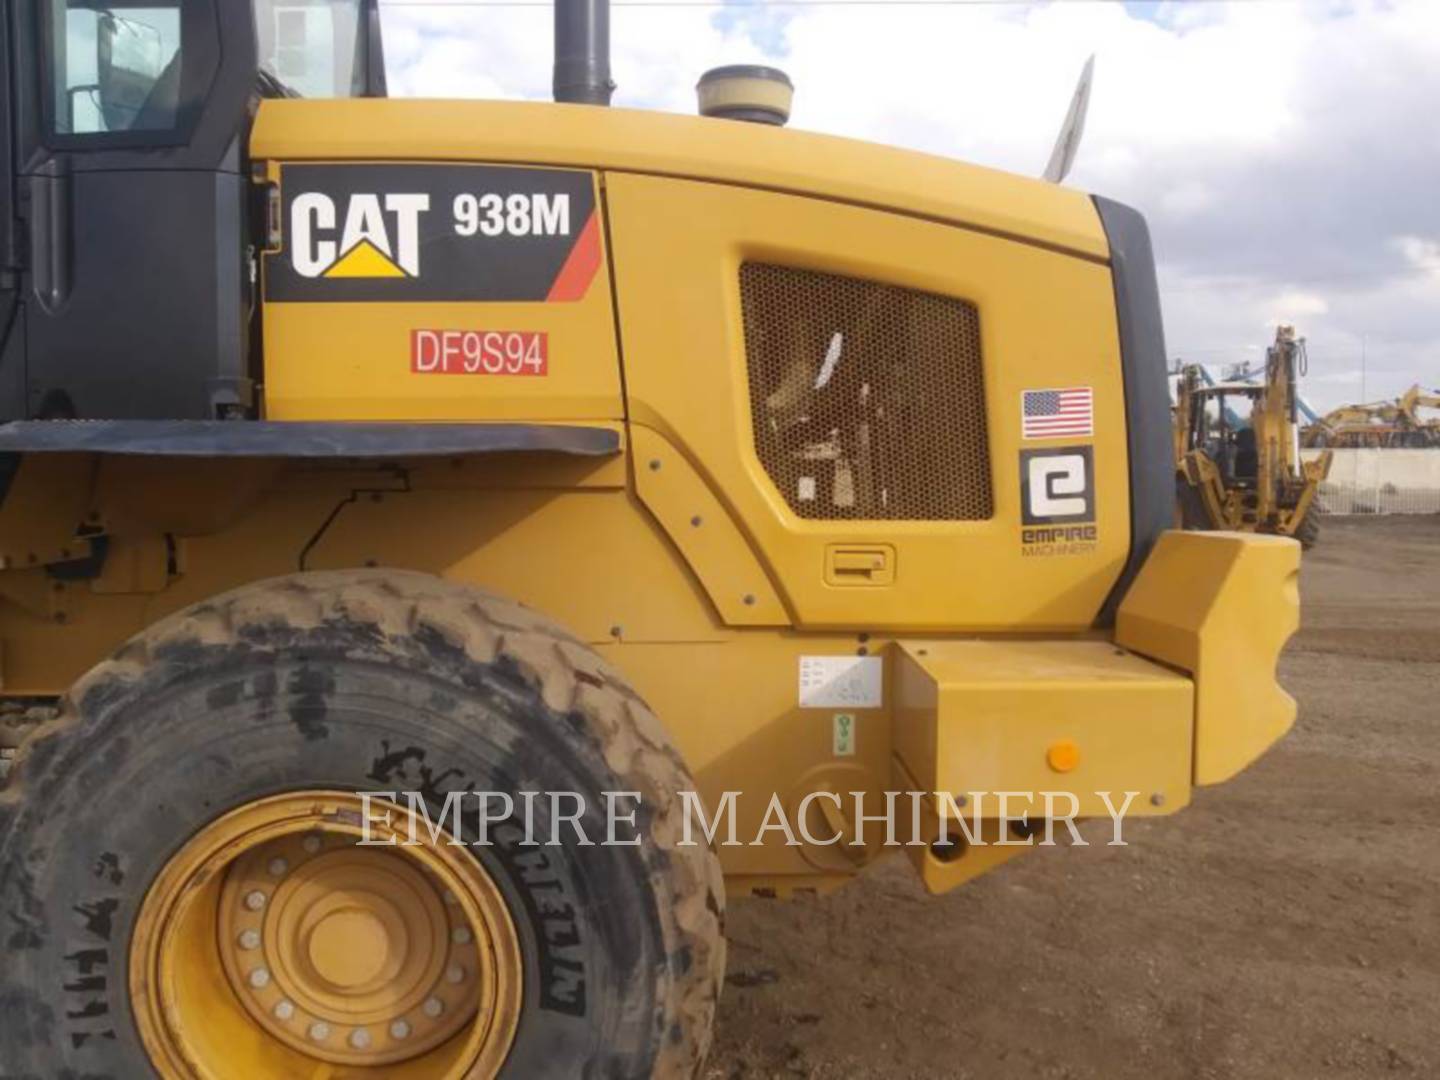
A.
pixel 1286 925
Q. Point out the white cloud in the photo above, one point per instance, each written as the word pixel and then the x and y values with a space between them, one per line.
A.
pixel 1293 302
pixel 1189 199
pixel 1420 253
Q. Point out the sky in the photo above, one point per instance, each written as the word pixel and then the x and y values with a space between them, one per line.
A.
pixel 1285 152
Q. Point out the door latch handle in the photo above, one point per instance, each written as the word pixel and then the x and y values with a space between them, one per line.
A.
pixel 859 564
pixel 50 251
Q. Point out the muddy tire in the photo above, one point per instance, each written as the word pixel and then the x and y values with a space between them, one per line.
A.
pixel 359 681
pixel 1308 531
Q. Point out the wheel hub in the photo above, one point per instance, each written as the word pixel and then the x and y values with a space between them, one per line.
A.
pixel 349 948
pixel 338 953
pixel 355 945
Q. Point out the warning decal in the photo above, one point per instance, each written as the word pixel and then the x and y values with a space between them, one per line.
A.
pixel 844 682
pixel 390 232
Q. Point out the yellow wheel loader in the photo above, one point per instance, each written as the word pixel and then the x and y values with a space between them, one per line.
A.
pixel 446 547
pixel 1237 450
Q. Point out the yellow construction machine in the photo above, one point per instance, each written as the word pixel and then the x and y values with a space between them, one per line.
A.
pixel 1396 424
pixel 1237 450
pixel 445 547
pixel 1421 430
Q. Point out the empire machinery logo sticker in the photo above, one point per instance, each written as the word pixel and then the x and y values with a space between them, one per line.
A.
pixel 1057 501
pixel 404 233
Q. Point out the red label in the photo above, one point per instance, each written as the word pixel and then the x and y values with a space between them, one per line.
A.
pixel 479 352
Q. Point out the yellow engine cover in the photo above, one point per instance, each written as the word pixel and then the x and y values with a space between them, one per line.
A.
pixel 499 262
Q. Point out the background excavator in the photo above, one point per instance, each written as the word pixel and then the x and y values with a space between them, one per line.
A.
pixel 1397 423
pixel 1244 473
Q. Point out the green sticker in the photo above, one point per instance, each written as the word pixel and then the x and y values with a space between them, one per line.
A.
pixel 844 734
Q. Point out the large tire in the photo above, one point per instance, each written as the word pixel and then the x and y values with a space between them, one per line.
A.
pixel 1308 531
pixel 357 681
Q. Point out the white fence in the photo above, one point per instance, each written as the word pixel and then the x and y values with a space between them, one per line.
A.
pixel 1381 482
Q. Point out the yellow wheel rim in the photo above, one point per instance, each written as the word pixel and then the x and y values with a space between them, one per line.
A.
pixel 275 944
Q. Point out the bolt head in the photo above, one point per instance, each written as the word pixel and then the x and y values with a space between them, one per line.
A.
pixel 461 935
pixel 278 867
pixel 360 1039
pixel 284 1010
pixel 250 939
pixel 259 978
pixel 455 975
pixel 311 844
pixel 400 1030
pixel 319 1032
pixel 255 900
pixel 433 1007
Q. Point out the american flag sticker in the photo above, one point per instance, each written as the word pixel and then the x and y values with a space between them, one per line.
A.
pixel 1056 414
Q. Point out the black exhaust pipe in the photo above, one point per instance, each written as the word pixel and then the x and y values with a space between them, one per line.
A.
pixel 372 46
pixel 582 52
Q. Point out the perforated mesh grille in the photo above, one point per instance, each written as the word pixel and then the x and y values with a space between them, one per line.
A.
pixel 867 398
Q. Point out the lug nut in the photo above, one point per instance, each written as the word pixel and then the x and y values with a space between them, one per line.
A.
pixel 433 1007
pixel 278 867
pixel 259 978
pixel 311 844
pixel 400 1030
pixel 319 1032
pixel 255 900
pixel 461 935
pixel 284 1010
pixel 360 1039
pixel 455 975
pixel 250 939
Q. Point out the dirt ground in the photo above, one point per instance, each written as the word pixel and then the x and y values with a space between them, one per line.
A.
pixel 1286 925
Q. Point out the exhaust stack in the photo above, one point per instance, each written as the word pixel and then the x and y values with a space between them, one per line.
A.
pixel 582 52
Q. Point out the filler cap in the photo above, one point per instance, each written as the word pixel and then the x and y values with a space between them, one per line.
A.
pixel 761 95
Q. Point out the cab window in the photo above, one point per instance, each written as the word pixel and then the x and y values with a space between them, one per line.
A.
pixel 114 68
pixel 314 48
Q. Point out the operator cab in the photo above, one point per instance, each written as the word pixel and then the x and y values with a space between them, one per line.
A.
pixel 127 217
pixel 1222 426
